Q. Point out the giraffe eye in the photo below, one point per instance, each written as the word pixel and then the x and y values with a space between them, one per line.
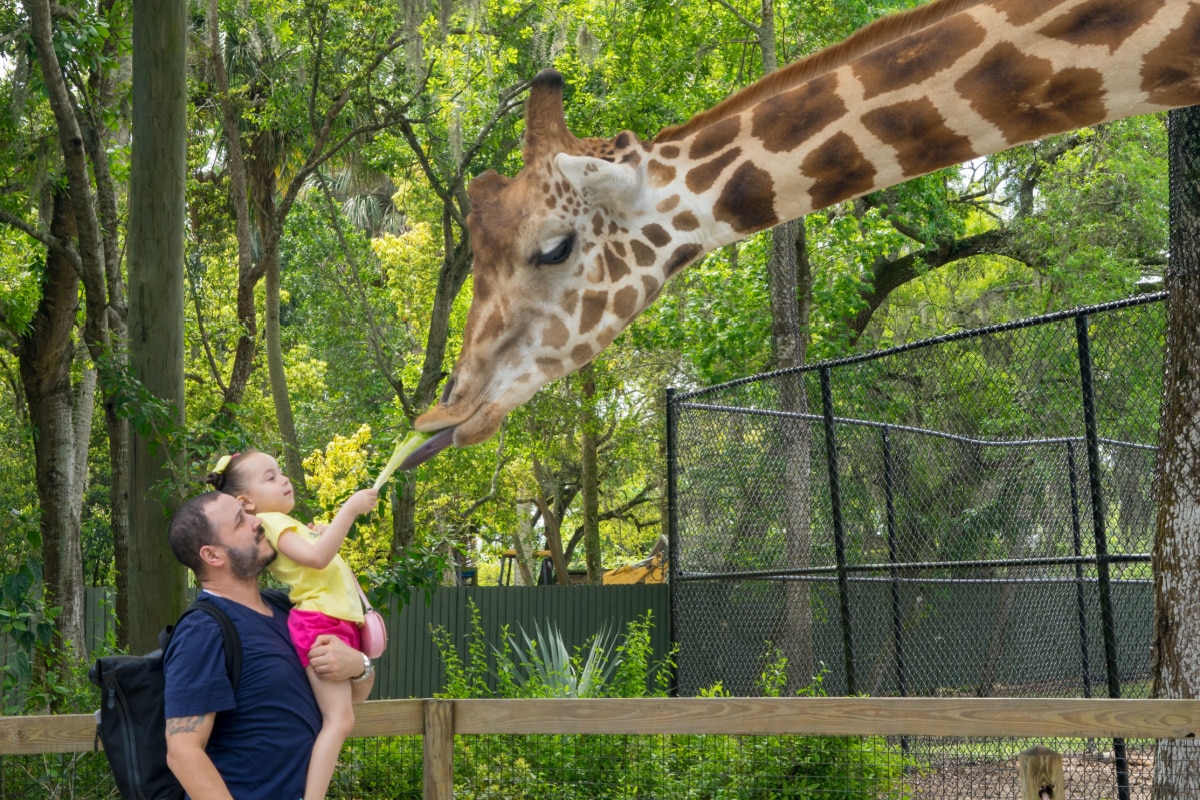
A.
pixel 559 253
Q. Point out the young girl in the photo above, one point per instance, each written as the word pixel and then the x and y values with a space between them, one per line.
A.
pixel 323 589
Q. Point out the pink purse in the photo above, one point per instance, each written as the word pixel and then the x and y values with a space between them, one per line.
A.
pixel 373 631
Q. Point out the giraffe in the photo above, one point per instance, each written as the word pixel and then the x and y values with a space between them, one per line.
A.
pixel 576 245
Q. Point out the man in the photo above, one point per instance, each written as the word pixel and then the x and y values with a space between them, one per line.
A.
pixel 254 745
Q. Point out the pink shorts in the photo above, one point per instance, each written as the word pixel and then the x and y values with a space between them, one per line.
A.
pixel 306 626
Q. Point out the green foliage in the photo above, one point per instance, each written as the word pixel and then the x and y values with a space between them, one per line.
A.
pixel 669 766
pixel 543 667
pixel 29 624
pixel 414 569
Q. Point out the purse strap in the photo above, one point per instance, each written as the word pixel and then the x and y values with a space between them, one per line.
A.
pixel 363 595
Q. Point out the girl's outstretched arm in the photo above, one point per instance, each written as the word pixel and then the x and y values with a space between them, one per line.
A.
pixel 318 553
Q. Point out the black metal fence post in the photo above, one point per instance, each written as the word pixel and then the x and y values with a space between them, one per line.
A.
pixel 889 490
pixel 1080 596
pixel 1100 532
pixel 673 549
pixel 839 532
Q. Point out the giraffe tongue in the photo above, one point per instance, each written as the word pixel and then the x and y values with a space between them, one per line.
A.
pixel 428 449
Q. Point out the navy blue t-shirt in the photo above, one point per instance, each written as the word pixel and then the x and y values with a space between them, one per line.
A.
pixel 262 738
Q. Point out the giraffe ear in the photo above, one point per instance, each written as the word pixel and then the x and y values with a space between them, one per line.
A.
pixel 601 182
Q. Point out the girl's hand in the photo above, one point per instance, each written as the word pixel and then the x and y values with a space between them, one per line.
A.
pixel 362 501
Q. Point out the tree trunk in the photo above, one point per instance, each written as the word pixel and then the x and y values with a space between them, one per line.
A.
pixel 589 477
pixel 1177 526
pixel 155 241
pixel 523 545
pixel 292 460
pixel 791 293
pixel 118 511
pixel 264 188
pixel 404 513
pixel 45 353
pixel 248 277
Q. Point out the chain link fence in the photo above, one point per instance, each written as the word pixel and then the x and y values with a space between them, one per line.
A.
pixel 969 515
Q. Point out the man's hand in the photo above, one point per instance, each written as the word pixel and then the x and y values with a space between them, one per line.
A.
pixel 334 660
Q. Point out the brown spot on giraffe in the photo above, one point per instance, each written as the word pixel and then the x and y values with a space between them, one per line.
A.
pixel 622 140
pixel 714 138
pixel 657 234
pixel 551 367
pixel 650 286
pixel 670 151
pixel 1171 71
pixel 592 311
pixel 642 255
pixel 1026 99
pixel 747 201
pixel 555 333
pixel 683 255
pixel 582 353
pixel 598 224
pixel 920 136
pixel 617 268
pixel 839 171
pixel 685 221
pixel 660 174
pixel 492 327
pixel 569 301
pixel 625 302
pixel 1022 12
pixel 668 205
pixel 785 121
pixel 917 57
pixel 702 177
pixel 1102 22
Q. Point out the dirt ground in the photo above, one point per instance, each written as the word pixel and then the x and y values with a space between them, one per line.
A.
pixel 1085 777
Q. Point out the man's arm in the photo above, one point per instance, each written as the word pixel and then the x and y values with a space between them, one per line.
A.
pixel 186 740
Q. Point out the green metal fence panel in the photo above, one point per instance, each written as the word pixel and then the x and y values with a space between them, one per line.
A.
pixel 413 665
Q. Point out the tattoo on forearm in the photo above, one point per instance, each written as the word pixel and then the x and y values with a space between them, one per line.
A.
pixel 183 724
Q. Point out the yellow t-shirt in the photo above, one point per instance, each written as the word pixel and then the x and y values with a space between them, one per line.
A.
pixel 332 590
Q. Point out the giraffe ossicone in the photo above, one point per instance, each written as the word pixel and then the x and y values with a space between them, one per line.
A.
pixel 577 244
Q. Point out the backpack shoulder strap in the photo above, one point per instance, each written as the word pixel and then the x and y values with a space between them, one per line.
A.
pixel 233 643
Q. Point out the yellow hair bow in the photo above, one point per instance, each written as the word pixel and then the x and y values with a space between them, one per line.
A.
pixel 223 463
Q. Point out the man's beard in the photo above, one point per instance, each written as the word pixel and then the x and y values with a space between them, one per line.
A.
pixel 246 562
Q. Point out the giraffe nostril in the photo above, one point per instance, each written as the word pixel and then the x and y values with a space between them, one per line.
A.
pixel 448 390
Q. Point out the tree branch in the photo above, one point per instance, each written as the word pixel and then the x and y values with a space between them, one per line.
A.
pixel 51 242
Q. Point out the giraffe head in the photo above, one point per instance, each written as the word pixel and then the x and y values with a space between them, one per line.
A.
pixel 559 269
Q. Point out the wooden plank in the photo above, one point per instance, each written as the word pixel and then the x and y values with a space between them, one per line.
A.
pixel 438 761
pixel 836 716
pixel 819 716
pixel 388 718
pixel 64 733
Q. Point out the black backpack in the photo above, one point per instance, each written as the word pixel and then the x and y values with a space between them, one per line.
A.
pixel 131 724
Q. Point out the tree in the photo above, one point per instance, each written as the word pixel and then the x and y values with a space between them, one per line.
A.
pixel 1177 526
pixel 79 94
pixel 155 240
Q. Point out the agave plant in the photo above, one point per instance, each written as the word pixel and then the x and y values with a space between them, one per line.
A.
pixel 543 666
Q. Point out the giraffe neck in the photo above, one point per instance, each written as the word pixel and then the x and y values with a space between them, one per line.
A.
pixel 963 80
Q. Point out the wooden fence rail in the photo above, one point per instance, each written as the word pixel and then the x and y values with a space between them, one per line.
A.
pixel 440 720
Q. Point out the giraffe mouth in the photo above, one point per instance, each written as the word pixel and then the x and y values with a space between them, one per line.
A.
pixel 429 448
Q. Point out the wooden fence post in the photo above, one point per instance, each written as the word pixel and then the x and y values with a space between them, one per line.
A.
pixel 439 750
pixel 1041 774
